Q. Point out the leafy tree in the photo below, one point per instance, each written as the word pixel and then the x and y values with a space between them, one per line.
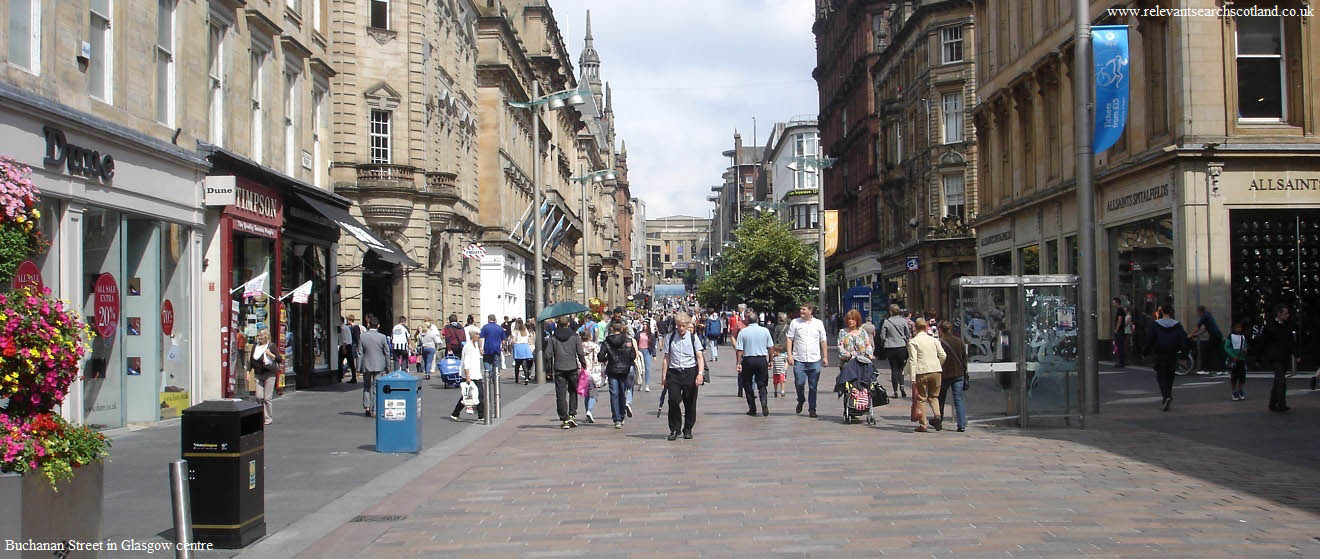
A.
pixel 767 268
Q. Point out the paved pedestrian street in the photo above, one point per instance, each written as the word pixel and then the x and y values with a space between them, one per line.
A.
pixel 788 485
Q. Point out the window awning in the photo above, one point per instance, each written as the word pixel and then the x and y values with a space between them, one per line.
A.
pixel 383 248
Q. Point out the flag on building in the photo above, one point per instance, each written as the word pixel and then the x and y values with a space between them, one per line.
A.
pixel 255 286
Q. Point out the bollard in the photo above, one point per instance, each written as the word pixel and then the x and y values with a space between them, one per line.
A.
pixel 485 392
pixel 182 508
pixel 495 380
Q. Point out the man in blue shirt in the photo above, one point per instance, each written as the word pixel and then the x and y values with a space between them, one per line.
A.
pixel 752 348
pixel 492 342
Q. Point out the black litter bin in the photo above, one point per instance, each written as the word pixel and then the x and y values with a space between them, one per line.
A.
pixel 223 442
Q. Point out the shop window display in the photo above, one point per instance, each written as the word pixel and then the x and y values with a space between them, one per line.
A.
pixel 1276 259
pixel 1142 268
pixel 103 370
pixel 307 343
pixel 998 264
pixel 252 257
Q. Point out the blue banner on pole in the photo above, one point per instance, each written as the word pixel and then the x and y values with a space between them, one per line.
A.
pixel 1109 49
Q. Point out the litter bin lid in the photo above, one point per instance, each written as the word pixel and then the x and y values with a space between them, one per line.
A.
pixel 396 377
pixel 226 406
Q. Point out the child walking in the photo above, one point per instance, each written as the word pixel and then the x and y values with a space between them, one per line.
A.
pixel 593 366
pixel 779 364
pixel 1235 347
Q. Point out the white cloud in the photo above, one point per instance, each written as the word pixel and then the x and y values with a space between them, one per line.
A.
pixel 686 74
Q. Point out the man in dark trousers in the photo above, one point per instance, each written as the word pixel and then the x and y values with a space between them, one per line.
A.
pixel 1166 338
pixel 752 349
pixel 565 356
pixel 1280 346
pixel 375 360
pixel 350 345
pixel 680 373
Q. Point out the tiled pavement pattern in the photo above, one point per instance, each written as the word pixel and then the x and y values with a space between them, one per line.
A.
pixel 789 486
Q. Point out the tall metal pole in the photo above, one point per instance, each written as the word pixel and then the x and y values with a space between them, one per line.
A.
pixel 820 245
pixel 1082 122
pixel 586 293
pixel 539 294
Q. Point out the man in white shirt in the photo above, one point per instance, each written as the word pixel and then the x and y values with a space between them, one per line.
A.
pixel 807 353
pixel 399 343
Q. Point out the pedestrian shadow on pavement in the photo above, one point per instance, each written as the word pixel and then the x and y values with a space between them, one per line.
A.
pixel 649 436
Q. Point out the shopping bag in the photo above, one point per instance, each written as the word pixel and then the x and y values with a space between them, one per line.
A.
pixel 412 359
pixel 584 382
pixel 251 381
pixel 597 379
pixel 468 391
pixel 916 408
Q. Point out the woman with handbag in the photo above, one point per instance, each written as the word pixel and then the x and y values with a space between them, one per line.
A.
pixel 265 366
pixel 593 371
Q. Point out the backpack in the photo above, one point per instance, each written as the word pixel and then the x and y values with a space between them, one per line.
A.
pixel 692 338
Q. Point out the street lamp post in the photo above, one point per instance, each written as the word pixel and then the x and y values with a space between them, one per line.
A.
pixel 556 100
pixel 596 177
pixel 815 164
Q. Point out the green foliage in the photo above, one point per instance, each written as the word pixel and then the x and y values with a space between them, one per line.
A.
pixel 767 268
pixel 16 245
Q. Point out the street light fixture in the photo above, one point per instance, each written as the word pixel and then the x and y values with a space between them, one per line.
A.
pixel 555 101
pixel 815 164
pixel 596 177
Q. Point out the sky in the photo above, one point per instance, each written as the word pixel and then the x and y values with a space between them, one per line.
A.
pixel 686 74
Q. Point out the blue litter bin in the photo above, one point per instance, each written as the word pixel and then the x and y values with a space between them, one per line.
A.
pixel 398 413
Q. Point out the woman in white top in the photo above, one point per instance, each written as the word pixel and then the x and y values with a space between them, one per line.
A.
pixel 472 372
pixel 265 365
pixel 522 352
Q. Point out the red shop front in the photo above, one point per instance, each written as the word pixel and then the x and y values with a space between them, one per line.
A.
pixel 251 275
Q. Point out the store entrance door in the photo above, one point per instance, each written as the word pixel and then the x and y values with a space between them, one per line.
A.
pixel 378 290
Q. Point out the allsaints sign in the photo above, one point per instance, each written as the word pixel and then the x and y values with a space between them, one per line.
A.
pixel 78 160
pixel 1284 183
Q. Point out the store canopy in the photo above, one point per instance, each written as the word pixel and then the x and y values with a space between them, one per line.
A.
pixel 386 250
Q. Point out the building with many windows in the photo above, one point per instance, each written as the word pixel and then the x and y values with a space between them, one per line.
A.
pixel 926 160
pixel 405 151
pixel 125 111
pixel 1209 197
pixel 850 34
pixel 678 250
pixel 794 193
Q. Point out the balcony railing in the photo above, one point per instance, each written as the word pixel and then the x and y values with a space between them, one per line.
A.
pixel 442 183
pixel 386 176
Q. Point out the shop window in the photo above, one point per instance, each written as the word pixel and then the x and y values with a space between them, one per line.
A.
pixel 953 117
pixel 102 370
pixel 1260 69
pixel 307 342
pixel 319 96
pixel 1052 257
pixel 380 14
pixel 175 344
pixel 100 67
pixel 1141 265
pixel 49 260
pixel 165 62
pixel 951 38
pixel 25 34
pixel 380 137
pixel 1073 254
pixel 252 257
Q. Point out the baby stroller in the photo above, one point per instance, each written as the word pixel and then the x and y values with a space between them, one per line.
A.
pixel 451 370
pixel 860 392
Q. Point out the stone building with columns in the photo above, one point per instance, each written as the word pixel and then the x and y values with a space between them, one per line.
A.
pixel 1211 196
pixel 405 151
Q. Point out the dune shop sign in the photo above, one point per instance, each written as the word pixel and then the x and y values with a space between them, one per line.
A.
pixel 78 160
